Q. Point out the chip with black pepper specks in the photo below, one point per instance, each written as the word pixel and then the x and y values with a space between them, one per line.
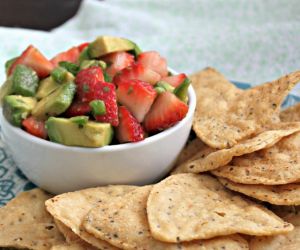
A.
pixel 25 223
pixel 71 208
pixel 209 159
pixel 226 115
pixel 190 207
pixel 277 165
pixel 288 194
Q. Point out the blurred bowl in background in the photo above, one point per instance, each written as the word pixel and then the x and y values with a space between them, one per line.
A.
pixel 37 14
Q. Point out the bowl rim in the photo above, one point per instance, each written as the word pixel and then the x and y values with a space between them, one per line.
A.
pixel 108 148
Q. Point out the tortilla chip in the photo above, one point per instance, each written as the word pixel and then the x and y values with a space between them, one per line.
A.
pixel 122 221
pixel 289 241
pixel 72 246
pixel 288 194
pixel 291 114
pixel 191 148
pixel 188 207
pixel 25 223
pixel 209 159
pixel 72 239
pixel 226 115
pixel 71 208
pixel 277 165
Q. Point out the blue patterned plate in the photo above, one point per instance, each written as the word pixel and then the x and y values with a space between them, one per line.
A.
pixel 12 180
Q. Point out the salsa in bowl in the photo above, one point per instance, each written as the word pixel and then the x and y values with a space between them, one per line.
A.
pixel 95 94
pixel 60 167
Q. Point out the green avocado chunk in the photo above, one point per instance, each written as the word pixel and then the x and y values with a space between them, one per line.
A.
pixel 107 44
pixel 6 88
pixel 25 81
pixel 17 107
pixel 9 63
pixel 90 134
pixel 182 90
pixel 48 85
pixel 55 103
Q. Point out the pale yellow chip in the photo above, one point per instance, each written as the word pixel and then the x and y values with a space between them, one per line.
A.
pixel 277 165
pixel 226 115
pixel 291 114
pixel 122 221
pixel 288 194
pixel 289 241
pixel 25 223
pixel 209 159
pixel 187 207
pixel 71 208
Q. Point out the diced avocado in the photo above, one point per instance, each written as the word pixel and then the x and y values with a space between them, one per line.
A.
pixel 9 63
pixel 90 63
pixel 80 120
pixel 25 81
pixel 6 88
pixel 182 90
pixel 17 107
pixel 84 55
pixel 107 44
pixel 48 85
pixel 55 103
pixel 67 132
pixel 166 86
pixel 71 67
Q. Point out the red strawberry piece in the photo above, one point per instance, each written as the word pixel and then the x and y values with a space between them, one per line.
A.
pixel 87 81
pixel 152 60
pixel 137 96
pixel 33 58
pixel 82 46
pixel 35 127
pixel 106 92
pixel 70 55
pixel 139 72
pixel 165 112
pixel 176 80
pixel 129 129
pixel 78 108
pixel 117 62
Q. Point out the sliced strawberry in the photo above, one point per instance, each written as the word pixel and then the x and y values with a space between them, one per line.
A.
pixel 35 127
pixel 139 72
pixel 176 80
pixel 117 62
pixel 33 58
pixel 87 80
pixel 106 92
pixel 153 60
pixel 78 108
pixel 129 129
pixel 82 46
pixel 165 112
pixel 137 96
pixel 70 55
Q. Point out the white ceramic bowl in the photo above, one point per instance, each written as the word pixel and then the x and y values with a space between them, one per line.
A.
pixel 58 168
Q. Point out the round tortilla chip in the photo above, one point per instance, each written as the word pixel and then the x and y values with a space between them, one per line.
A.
pixel 188 207
pixel 209 159
pixel 277 165
pixel 71 208
pixel 288 194
pixel 226 115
